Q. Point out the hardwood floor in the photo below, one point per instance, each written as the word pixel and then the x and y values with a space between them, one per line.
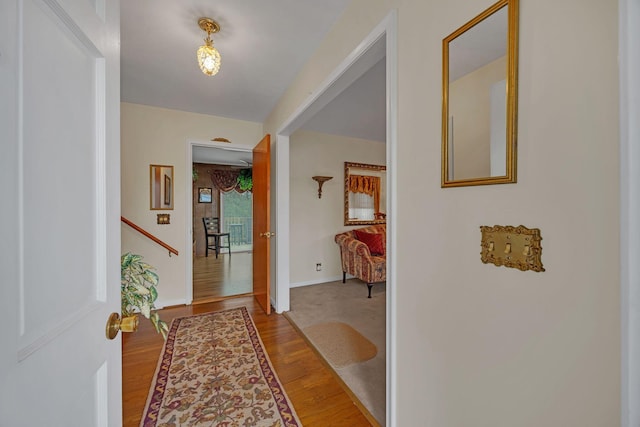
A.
pixel 214 279
pixel 313 389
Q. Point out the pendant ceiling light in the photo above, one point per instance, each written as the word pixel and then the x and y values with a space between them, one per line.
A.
pixel 208 56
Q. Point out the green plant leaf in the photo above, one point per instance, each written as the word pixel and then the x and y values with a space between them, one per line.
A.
pixel 160 325
pixel 145 310
pixel 154 293
pixel 245 179
pixel 150 277
pixel 135 279
pixel 142 290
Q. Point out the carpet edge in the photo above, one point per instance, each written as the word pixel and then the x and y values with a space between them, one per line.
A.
pixel 356 401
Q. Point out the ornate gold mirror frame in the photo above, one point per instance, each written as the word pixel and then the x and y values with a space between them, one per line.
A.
pixel 479 99
pixel 366 185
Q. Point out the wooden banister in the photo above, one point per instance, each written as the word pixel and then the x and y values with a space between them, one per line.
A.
pixel 149 235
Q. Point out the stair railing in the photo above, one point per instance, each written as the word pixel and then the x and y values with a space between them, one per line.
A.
pixel 149 235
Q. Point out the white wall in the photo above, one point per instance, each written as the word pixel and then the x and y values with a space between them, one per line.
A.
pixel 478 344
pixel 470 107
pixel 314 222
pixel 151 135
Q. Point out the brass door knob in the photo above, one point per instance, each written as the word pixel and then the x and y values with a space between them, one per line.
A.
pixel 125 324
pixel 267 234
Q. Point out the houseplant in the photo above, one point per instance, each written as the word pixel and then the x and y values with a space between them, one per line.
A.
pixel 245 180
pixel 138 282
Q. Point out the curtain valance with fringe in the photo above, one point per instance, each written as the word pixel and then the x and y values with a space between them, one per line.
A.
pixel 225 180
pixel 369 185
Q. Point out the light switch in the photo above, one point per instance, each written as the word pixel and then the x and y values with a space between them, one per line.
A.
pixel 164 218
pixel 516 247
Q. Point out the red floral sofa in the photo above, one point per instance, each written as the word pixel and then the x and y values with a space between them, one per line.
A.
pixel 363 253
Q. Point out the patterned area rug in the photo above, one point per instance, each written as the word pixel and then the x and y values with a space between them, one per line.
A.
pixel 214 371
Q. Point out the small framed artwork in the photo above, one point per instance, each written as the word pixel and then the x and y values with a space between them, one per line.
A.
pixel 167 190
pixel 204 195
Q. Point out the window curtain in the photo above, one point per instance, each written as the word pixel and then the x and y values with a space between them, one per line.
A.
pixel 369 185
pixel 225 180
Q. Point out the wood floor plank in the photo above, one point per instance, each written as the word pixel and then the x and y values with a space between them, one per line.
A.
pixel 217 278
pixel 316 395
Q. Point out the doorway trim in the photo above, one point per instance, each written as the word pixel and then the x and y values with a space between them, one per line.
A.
pixel 629 94
pixel 188 208
pixel 356 63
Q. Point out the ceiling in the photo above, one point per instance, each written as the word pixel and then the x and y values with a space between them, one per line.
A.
pixel 263 47
pixel 227 156
pixel 483 43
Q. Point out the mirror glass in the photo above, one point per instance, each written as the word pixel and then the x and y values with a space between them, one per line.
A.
pixel 161 187
pixel 479 99
pixel 365 195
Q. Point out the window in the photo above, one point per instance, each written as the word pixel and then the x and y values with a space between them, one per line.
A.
pixel 237 218
pixel 361 206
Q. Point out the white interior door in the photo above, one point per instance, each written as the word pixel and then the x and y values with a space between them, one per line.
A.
pixel 59 162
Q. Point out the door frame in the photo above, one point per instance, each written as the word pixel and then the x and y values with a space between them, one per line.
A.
pixel 354 65
pixel 629 101
pixel 188 201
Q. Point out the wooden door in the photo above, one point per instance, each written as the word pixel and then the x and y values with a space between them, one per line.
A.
pixel 60 216
pixel 261 223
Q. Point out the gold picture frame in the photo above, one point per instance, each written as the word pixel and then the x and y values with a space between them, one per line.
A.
pixel 479 99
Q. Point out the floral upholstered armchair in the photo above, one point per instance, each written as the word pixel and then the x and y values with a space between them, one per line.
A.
pixel 363 254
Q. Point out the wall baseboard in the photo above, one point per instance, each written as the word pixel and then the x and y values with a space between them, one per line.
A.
pixel 318 281
pixel 169 303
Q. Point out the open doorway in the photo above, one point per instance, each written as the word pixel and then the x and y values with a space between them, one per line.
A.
pixel 221 190
pixel 379 45
pixel 330 312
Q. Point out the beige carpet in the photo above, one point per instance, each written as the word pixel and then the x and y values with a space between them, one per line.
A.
pixel 315 306
pixel 340 343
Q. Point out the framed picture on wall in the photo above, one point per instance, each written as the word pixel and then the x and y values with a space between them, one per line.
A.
pixel 204 195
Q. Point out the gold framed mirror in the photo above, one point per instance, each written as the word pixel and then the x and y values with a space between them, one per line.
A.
pixel 479 99
pixel 161 187
pixel 365 194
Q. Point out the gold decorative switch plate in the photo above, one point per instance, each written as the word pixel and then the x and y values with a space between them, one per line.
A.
pixel 516 247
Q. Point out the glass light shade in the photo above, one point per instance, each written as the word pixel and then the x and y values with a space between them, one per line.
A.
pixel 209 60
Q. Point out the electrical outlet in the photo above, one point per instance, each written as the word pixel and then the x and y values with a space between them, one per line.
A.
pixel 319 266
